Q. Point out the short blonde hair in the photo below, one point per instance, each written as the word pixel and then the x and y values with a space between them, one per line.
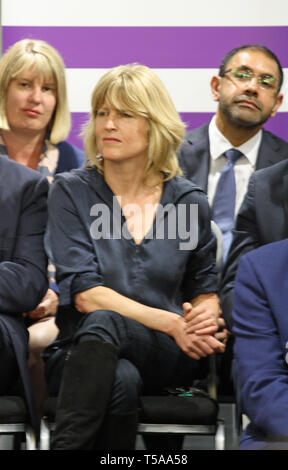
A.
pixel 138 89
pixel 44 60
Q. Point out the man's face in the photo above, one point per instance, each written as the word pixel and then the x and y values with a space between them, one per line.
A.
pixel 248 102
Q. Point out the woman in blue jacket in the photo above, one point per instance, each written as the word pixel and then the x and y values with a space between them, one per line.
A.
pixel 135 256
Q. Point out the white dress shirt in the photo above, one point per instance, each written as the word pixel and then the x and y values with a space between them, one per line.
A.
pixel 243 168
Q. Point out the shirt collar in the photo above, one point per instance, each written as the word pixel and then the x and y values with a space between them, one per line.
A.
pixel 219 144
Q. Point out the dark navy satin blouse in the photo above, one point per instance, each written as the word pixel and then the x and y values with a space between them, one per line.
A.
pixel 88 241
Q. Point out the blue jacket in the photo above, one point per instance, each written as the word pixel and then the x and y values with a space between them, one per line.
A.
pixel 261 344
pixel 69 157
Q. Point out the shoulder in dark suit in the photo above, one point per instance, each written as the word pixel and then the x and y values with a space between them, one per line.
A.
pixel 261 344
pixel 23 268
pixel 23 215
pixel 262 219
pixel 194 154
pixel 70 157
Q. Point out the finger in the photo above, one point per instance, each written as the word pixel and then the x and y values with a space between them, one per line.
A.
pixel 187 307
pixel 194 318
pixel 202 347
pixel 221 323
pixel 220 336
pixel 218 346
pixel 205 323
pixel 195 348
pixel 32 313
pixel 35 315
pixel 207 330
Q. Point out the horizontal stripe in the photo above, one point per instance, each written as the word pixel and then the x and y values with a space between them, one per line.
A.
pixel 158 47
pixel 149 13
pixel 189 88
pixel 278 125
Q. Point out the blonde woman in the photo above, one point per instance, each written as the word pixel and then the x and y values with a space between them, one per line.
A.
pixel 143 287
pixel 34 123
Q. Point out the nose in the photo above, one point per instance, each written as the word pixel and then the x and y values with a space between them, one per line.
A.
pixel 36 94
pixel 252 86
pixel 110 122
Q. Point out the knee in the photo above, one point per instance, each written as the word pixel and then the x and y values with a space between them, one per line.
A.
pixel 105 325
pixel 41 335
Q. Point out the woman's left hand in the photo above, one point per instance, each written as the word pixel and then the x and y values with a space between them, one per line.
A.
pixel 205 319
pixel 200 320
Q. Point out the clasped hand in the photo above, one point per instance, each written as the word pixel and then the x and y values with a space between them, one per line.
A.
pixel 47 306
pixel 201 332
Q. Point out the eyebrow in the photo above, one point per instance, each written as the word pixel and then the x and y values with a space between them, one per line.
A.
pixel 30 80
pixel 245 67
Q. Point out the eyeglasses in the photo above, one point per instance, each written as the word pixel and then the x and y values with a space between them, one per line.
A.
pixel 265 81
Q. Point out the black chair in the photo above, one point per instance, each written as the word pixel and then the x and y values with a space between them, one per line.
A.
pixel 14 420
pixel 189 412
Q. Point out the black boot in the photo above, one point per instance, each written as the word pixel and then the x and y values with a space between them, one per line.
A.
pixel 85 391
pixel 118 432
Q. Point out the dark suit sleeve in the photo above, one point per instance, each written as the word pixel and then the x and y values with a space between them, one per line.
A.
pixel 70 157
pixel 181 158
pixel 245 238
pixel 23 266
pixel 201 273
pixel 261 369
pixel 69 245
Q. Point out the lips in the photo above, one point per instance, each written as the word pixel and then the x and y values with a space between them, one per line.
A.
pixel 111 139
pixel 31 112
pixel 248 103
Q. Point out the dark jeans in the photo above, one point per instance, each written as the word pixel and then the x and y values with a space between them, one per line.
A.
pixel 148 359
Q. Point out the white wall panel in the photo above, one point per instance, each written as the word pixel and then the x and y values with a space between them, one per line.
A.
pixel 189 88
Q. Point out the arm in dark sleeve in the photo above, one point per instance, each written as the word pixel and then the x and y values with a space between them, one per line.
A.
pixel 23 272
pixel 245 238
pixel 261 369
pixel 201 274
pixel 69 245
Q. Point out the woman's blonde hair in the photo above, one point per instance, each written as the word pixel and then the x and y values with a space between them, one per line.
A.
pixel 44 60
pixel 138 89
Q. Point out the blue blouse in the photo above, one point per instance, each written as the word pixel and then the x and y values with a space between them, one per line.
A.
pixel 158 272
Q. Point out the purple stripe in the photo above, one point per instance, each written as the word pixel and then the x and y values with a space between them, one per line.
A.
pixel 157 47
pixel 278 125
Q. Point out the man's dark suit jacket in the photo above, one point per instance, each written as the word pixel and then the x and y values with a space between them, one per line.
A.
pixel 194 154
pixel 194 159
pixel 262 219
pixel 23 263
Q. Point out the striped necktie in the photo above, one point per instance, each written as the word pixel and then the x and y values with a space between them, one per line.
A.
pixel 223 208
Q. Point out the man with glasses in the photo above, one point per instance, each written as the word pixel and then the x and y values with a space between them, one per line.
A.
pixel 247 90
